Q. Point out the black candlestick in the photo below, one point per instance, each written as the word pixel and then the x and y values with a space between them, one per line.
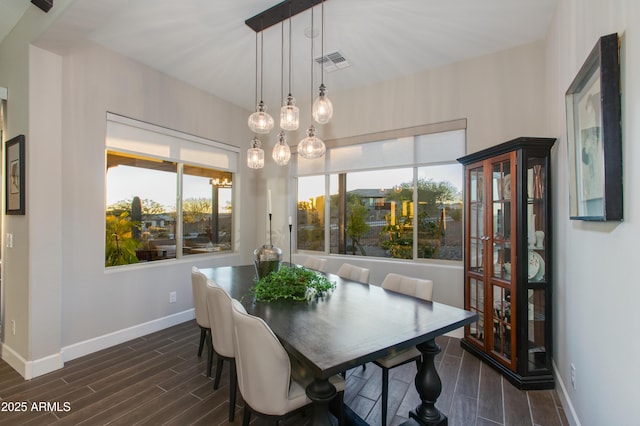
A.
pixel 270 242
pixel 290 261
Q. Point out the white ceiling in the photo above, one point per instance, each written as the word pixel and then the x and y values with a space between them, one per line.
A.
pixel 207 44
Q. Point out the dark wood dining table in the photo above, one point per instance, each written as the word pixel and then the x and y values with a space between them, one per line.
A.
pixel 354 324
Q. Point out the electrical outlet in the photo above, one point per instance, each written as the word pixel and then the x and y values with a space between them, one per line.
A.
pixel 573 376
pixel 13 327
pixel 9 240
pixel 172 297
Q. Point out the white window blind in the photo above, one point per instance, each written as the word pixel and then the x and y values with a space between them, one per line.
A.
pixel 126 134
pixel 433 148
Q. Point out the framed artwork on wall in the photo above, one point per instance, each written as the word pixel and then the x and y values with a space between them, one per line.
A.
pixel 594 136
pixel 14 175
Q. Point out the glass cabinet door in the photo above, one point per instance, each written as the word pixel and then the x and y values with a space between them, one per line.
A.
pixel 537 263
pixel 503 194
pixel 536 214
pixel 476 256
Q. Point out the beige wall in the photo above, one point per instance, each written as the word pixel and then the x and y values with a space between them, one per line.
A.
pixel 596 294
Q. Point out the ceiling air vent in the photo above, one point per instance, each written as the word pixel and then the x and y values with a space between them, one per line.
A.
pixel 332 61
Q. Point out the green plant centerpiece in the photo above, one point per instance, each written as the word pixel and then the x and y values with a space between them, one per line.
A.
pixel 291 282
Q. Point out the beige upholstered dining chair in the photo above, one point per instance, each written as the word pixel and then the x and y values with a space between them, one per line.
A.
pixel 221 320
pixel 415 287
pixel 316 263
pixel 266 375
pixel 198 287
pixel 354 273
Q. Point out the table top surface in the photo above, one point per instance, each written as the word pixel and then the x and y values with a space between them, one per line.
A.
pixel 354 324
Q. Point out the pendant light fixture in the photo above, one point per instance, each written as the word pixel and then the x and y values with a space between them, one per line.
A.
pixel 289 113
pixel 311 146
pixel 322 106
pixel 281 152
pixel 255 155
pixel 260 121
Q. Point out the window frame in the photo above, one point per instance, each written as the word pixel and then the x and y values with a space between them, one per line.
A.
pixel 133 137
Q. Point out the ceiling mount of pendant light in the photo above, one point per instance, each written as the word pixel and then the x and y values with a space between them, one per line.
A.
pixel 322 106
pixel 311 146
pixel 289 113
pixel 260 121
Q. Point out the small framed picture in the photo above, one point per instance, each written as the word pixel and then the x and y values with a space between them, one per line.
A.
pixel 594 136
pixel 14 175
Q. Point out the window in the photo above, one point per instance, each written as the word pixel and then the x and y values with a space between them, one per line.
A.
pixel 411 211
pixel 310 229
pixel 206 210
pixel 159 207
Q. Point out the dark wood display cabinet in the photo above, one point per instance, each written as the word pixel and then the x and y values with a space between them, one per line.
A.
pixel 507 265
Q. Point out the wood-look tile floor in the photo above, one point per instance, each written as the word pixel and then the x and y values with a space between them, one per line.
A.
pixel 159 380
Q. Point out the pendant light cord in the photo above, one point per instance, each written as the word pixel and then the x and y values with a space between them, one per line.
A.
pixel 261 63
pixel 289 48
pixel 322 46
pixel 256 98
pixel 282 64
pixel 311 91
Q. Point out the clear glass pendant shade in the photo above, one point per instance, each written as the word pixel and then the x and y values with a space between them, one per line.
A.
pixel 322 107
pixel 290 115
pixel 311 146
pixel 255 155
pixel 281 152
pixel 260 121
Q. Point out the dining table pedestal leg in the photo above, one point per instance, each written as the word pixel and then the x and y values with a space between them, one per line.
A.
pixel 429 386
pixel 321 392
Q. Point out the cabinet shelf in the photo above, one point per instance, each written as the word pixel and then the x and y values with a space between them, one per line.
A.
pixel 513 332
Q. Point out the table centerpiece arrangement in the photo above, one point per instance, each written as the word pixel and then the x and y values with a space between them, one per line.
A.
pixel 293 283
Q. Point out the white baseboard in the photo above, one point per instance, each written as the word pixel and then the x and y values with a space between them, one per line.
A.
pixel 569 411
pixel 30 369
pixel 99 343
pixel 38 367
pixel 14 359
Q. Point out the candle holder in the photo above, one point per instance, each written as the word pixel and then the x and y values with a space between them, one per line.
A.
pixel 290 261
pixel 267 257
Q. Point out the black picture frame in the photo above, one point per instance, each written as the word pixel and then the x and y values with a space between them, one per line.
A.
pixel 594 136
pixel 14 173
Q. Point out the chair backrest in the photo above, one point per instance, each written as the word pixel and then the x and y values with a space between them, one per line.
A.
pixel 199 290
pixel 415 287
pixel 262 364
pixel 316 263
pixel 354 273
pixel 221 319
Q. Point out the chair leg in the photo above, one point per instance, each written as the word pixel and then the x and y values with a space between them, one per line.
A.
pixel 210 358
pixel 246 416
pixel 385 394
pixel 216 382
pixel 203 336
pixel 233 386
pixel 341 417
